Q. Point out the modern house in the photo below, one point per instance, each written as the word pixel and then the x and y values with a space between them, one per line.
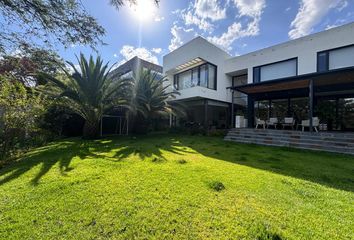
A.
pixel 312 76
pixel 135 66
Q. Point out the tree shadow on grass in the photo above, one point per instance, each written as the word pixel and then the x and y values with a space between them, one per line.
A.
pixel 144 147
pixel 110 149
pixel 329 169
pixel 60 152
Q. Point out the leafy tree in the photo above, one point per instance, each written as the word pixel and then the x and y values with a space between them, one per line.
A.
pixel 25 65
pixel 119 3
pixel 20 112
pixel 25 23
pixel 88 92
pixel 151 99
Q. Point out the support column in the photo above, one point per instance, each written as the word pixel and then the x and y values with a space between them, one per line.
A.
pixel 289 107
pixel 206 114
pixel 337 114
pixel 232 111
pixel 250 112
pixel 311 105
pixel 270 109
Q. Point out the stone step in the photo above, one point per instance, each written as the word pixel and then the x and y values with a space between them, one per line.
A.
pixel 335 141
pixel 290 132
pixel 323 141
pixel 315 147
pixel 296 141
pixel 342 137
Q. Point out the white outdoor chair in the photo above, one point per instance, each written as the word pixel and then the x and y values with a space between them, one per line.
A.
pixel 272 122
pixel 289 122
pixel 315 123
pixel 260 122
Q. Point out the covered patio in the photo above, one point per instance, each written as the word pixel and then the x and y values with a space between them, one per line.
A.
pixel 326 97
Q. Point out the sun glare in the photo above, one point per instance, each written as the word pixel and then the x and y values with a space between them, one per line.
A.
pixel 144 10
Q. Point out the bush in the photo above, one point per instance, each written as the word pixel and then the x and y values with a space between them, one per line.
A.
pixel 182 161
pixel 217 186
pixel 21 110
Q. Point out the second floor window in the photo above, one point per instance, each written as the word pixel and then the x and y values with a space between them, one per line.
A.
pixel 203 76
pixel 283 69
pixel 335 59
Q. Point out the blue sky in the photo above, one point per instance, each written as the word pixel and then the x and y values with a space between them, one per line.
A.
pixel 237 26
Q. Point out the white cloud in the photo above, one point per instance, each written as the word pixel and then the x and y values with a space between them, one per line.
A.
pixel 252 9
pixel 234 32
pixel 331 26
pixel 342 5
pixel 128 52
pixel 180 36
pixel 192 19
pixel 157 50
pixel 209 9
pixel 115 55
pixel 310 14
pixel 287 9
pixel 159 18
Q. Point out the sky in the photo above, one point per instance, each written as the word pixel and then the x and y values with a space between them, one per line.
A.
pixel 237 26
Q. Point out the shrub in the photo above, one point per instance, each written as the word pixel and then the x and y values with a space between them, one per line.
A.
pixel 217 186
pixel 182 161
pixel 21 110
pixel 264 233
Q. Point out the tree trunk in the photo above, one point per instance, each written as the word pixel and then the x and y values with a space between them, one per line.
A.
pixel 91 130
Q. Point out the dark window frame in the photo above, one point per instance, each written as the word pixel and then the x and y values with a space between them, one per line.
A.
pixel 258 68
pixel 327 51
pixel 206 64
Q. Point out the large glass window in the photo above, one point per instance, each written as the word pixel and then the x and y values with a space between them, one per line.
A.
pixel 341 58
pixel 277 70
pixel 335 59
pixel 203 75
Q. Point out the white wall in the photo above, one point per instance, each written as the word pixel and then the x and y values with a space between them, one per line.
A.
pixel 305 49
pixel 199 47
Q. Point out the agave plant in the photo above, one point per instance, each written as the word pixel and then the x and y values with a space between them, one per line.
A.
pixel 151 98
pixel 89 92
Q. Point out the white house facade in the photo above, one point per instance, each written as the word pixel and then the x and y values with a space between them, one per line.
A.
pixel 294 79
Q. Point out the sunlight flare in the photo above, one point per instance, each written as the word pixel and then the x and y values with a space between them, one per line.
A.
pixel 144 10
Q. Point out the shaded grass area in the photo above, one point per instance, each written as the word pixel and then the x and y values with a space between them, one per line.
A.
pixel 171 186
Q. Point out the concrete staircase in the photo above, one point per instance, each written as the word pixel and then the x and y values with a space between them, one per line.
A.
pixel 322 141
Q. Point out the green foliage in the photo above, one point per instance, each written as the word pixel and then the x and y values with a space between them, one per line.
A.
pixel 47 22
pixel 217 186
pixel 182 161
pixel 20 113
pixel 111 189
pixel 88 91
pixel 264 233
pixel 151 99
pixel 25 65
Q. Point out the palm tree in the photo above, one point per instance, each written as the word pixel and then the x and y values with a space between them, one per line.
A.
pixel 89 92
pixel 151 98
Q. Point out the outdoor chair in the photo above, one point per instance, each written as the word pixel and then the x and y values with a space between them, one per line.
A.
pixel 315 123
pixel 260 122
pixel 289 122
pixel 272 122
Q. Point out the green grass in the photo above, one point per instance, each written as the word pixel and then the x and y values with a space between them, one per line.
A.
pixel 170 187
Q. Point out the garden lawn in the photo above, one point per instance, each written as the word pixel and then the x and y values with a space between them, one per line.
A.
pixel 161 187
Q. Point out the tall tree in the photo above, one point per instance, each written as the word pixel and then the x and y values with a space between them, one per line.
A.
pixel 151 99
pixel 88 91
